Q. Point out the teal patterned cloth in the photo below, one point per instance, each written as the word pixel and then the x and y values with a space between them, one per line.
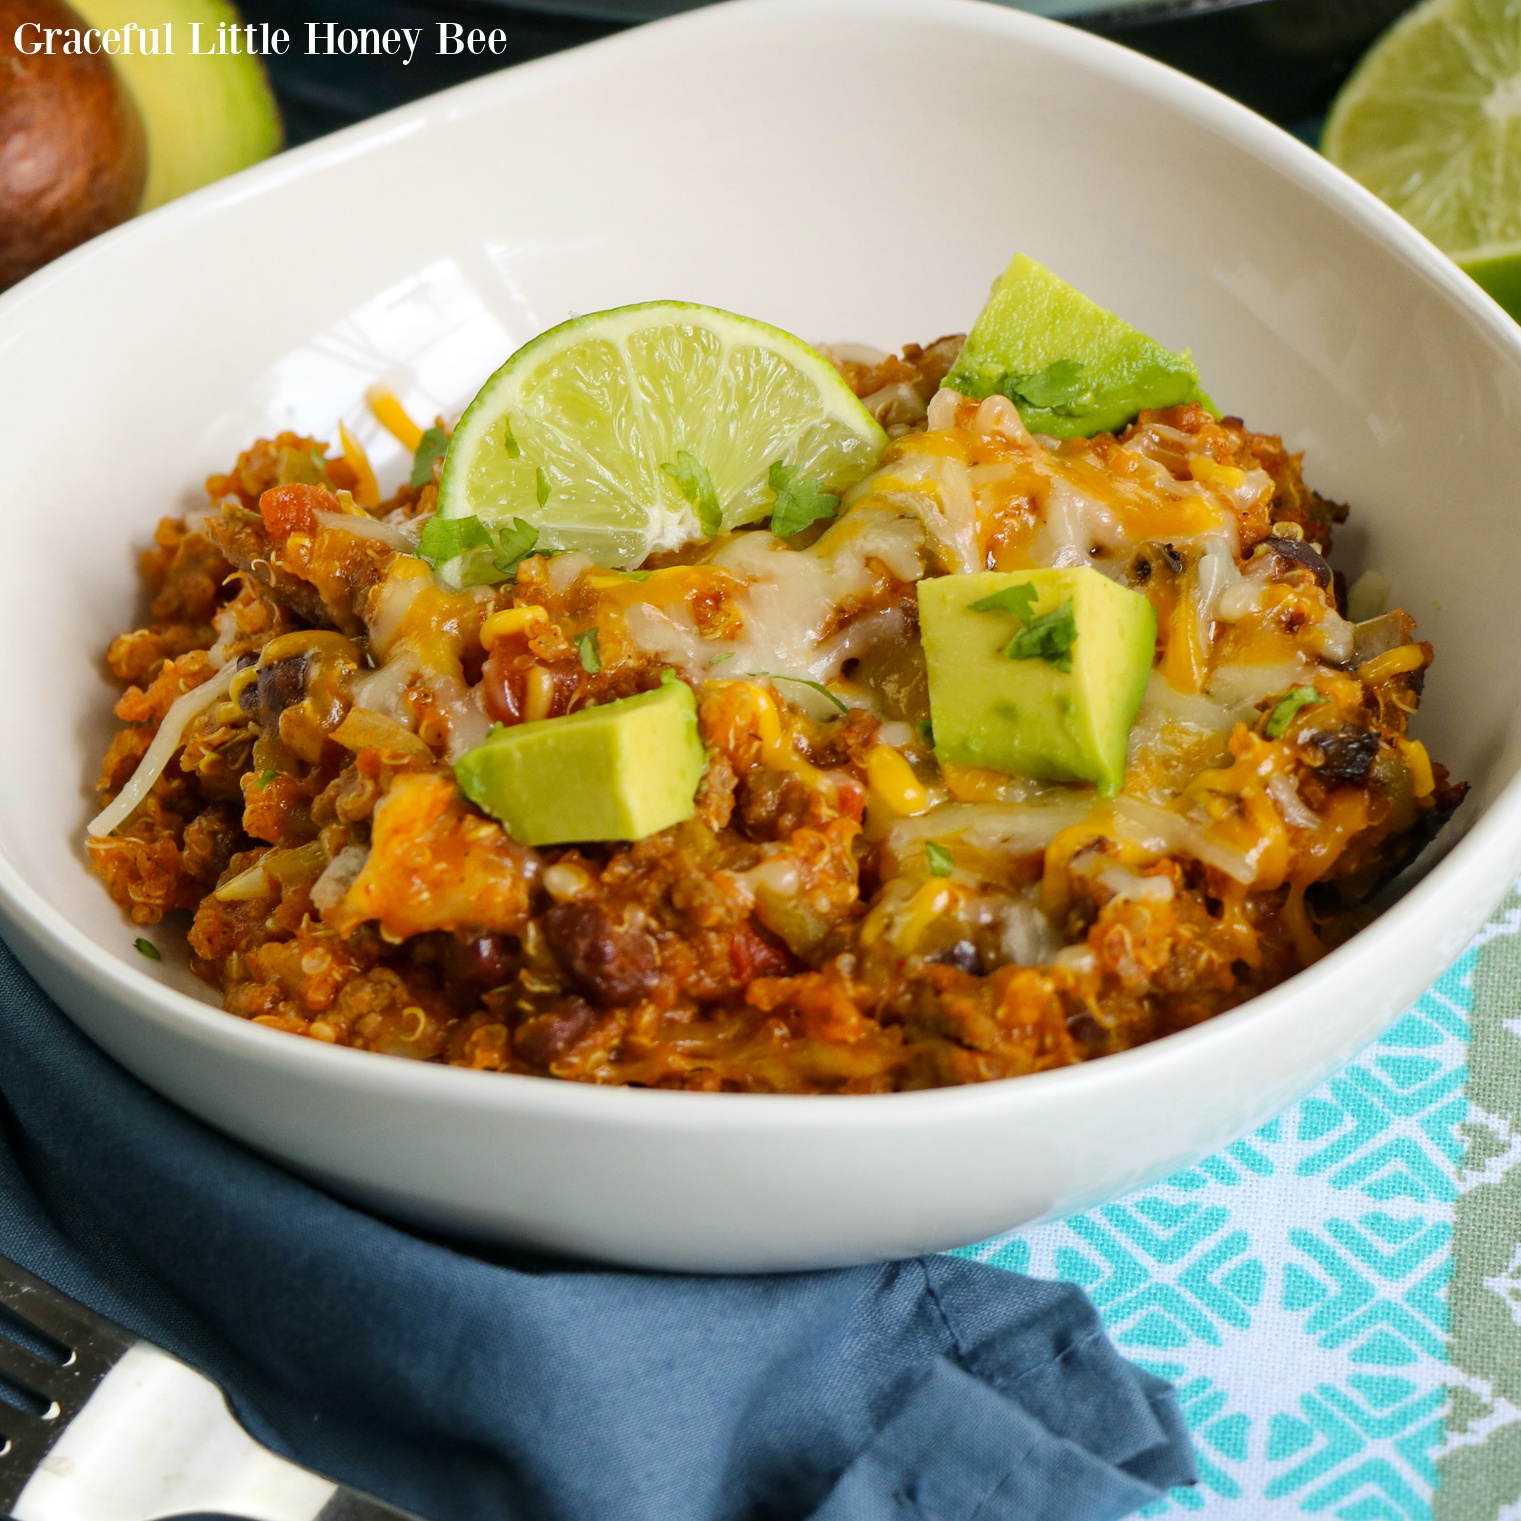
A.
pixel 1338 1296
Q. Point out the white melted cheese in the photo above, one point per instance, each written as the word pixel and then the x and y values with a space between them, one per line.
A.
pixel 384 689
pixel 789 601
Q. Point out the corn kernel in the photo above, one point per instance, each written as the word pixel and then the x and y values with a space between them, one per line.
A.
pixel 893 783
pixel 540 695
pixel 511 620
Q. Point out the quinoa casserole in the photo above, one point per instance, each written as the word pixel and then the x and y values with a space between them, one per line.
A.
pixel 841 909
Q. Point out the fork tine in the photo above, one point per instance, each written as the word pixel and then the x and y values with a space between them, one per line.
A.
pixel 53 1313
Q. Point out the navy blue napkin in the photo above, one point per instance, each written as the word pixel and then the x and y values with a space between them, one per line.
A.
pixel 465 1386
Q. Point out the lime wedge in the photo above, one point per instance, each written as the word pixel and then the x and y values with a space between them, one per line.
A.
pixel 1071 368
pixel 1431 123
pixel 574 432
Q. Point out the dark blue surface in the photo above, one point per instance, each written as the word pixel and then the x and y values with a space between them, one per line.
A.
pixel 460 1387
pixel 1284 58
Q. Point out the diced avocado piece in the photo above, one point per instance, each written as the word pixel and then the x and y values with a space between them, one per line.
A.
pixel 1071 368
pixel 1063 711
pixel 620 771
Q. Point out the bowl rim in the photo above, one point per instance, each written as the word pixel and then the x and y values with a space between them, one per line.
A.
pixel 1479 851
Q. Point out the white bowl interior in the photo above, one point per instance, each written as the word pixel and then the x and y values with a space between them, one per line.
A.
pixel 848 170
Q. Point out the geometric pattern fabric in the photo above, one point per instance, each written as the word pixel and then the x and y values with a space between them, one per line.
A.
pixel 1338 1296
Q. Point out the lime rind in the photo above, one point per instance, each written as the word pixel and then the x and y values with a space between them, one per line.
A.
pixel 600 402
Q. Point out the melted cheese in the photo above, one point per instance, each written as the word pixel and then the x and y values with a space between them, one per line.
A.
pixel 975 489
pixel 788 612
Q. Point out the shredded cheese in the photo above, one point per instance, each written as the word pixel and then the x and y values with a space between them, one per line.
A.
pixel 1418 764
pixel 366 490
pixel 1395 662
pixel 170 733
pixel 892 783
pixel 393 417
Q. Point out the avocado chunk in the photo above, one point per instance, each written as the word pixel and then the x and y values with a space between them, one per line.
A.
pixel 620 771
pixel 1071 368
pixel 1036 672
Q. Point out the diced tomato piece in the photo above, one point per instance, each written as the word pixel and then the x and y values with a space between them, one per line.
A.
pixel 753 954
pixel 292 509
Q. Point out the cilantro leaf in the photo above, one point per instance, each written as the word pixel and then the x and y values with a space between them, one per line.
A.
pixel 509 443
pixel 941 862
pixel 541 486
pixel 444 538
pixel 803 681
pixel 1285 709
pixel 1012 599
pixel 147 948
pixel 264 778
pixel 516 544
pixel 429 448
pixel 719 659
pixel 798 503
pixel 591 655
pixel 1049 637
pixel 696 485
pixel 1059 387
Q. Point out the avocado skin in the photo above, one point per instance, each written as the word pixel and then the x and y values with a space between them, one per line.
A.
pixel 73 158
pixel 1027 717
pixel 1034 319
pixel 620 771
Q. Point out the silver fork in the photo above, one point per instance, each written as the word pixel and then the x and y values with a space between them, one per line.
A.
pixel 98 1425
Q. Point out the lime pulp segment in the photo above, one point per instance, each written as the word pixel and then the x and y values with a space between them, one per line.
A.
pixel 1431 123
pixel 573 432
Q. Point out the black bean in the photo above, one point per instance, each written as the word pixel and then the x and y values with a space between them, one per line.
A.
pixel 481 961
pixel 1088 1033
pixel 611 962
pixel 1348 752
pixel 964 956
pixel 544 1038
pixel 1306 554
pixel 280 685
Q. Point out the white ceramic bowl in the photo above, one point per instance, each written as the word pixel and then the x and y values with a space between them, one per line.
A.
pixel 848 169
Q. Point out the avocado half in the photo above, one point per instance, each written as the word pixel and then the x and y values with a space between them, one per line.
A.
pixel 206 115
pixel 73 154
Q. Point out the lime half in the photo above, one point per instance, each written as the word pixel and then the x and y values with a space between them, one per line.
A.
pixel 1431 123
pixel 574 432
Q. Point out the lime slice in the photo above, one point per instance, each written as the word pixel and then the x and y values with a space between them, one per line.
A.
pixel 1431 123
pixel 573 433
pixel 1071 368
